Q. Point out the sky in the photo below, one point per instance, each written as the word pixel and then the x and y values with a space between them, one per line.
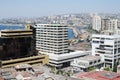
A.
pixel 38 8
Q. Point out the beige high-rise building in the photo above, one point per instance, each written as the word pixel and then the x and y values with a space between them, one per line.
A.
pixel 97 23
pixel 109 26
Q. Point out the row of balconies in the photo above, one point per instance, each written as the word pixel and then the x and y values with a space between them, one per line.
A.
pixel 52 36
pixel 52 27
pixel 51 41
pixel 51 30
pixel 51 44
pixel 53 47
pixel 52 51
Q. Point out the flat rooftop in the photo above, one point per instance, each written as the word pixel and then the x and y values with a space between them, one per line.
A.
pixel 49 25
pixel 90 58
pixel 80 46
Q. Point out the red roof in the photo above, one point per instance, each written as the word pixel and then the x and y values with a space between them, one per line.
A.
pixel 99 75
pixel 1 78
pixel 25 74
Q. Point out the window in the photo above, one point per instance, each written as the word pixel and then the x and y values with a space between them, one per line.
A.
pixel 90 63
pixel 97 54
pixel 94 61
pixel 95 41
pixel 99 60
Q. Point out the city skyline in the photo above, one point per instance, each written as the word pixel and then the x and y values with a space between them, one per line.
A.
pixel 38 8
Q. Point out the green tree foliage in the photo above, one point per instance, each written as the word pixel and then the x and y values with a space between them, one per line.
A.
pixel 107 69
pixel 115 67
pixel 91 68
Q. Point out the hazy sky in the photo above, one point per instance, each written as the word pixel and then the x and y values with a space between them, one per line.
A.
pixel 36 8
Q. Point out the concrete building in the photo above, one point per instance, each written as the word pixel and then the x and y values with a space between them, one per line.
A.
pixel 108 47
pixel 105 24
pixel 84 63
pixel 109 26
pixel 15 48
pixel 96 23
pixel 52 39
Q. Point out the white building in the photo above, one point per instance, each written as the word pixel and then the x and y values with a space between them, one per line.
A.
pixel 108 47
pixel 84 63
pixel 52 39
pixel 96 23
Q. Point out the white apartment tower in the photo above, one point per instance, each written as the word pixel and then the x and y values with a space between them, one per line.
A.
pixel 96 23
pixel 52 39
pixel 108 47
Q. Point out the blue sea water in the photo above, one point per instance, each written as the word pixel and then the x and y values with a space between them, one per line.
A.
pixel 11 27
pixel 70 34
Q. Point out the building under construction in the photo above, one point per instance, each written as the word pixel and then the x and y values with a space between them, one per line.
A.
pixel 15 47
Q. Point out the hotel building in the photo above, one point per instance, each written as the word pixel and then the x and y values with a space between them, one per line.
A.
pixel 52 39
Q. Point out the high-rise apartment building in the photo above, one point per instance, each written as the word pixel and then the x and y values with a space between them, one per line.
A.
pixel 96 23
pixel 108 47
pixel 52 39
pixel 109 25
pixel 105 24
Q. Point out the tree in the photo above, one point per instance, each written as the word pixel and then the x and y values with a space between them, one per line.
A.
pixel 91 68
pixel 115 67
pixel 53 70
pixel 107 69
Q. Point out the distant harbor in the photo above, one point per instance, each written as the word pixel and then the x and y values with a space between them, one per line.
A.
pixel 12 24
pixel 11 27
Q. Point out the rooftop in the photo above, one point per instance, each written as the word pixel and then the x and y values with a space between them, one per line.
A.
pixel 80 46
pixel 68 55
pixel 90 58
pixel 99 75
pixel 23 66
pixel 49 24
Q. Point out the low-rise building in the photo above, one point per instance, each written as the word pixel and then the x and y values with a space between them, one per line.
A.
pixel 84 63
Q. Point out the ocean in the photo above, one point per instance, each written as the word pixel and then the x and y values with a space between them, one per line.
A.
pixel 11 27
pixel 70 34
